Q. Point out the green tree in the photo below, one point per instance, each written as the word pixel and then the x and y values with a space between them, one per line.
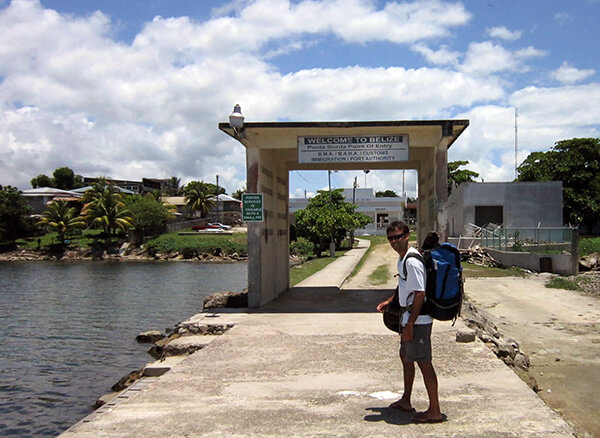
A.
pixel 61 218
pixel 386 194
pixel 328 216
pixel 14 213
pixel 238 193
pixel 457 176
pixel 105 208
pixel 198 200
pixel 575 162
pixel 65 179
pixel 41 181
pixel 208 188
pixel 148 215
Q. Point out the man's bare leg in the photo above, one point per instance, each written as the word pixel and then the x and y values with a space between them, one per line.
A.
pixel 431 384
pixel 408 371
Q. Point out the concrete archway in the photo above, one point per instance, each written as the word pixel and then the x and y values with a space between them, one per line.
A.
pixel 272 150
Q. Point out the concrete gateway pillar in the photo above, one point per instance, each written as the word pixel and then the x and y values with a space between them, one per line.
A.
pixel 272 150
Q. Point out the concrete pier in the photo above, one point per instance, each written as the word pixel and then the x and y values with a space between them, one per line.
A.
pixel 319 362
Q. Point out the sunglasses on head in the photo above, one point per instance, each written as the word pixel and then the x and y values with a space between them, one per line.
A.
pixel 396 237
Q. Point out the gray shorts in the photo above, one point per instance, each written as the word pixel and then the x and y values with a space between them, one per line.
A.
pixel 419 349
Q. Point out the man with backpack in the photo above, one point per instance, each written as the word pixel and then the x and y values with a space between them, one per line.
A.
pixel 415 328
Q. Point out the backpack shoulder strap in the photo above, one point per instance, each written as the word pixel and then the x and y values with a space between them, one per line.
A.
pixel 408 256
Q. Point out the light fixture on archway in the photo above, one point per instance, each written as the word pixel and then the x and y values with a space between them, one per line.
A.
pixel 236 121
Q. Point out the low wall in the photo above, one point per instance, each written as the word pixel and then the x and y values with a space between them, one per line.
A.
pixel 561 263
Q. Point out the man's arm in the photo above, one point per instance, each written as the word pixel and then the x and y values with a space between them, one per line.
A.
pixel 415 311
pixel 381 306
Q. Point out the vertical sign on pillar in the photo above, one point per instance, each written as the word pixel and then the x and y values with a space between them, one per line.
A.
pixel 252 207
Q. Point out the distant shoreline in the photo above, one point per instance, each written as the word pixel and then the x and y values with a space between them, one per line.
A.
pixel 78 256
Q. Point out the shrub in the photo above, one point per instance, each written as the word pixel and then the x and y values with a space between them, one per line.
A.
pixel 302 247
pixel 171 242
pixel 562 283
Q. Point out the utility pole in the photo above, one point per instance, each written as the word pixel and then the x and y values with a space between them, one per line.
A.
pixel 332 243
pixel 353 203
pixel 217 198
pixel 516 141
pixel 403 191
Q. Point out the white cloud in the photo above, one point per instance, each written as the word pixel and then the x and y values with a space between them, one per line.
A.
pixel 442 56
pixel 261 21
pixel 504 33
pixel 567 74
pixel 546 115
pixel 563 18
pixel 487 58
pixel 72 95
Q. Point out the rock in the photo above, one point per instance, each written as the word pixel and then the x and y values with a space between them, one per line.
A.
pixel 127 380
pixel 465 335
pixel 590 262
pixel 226 299
pixel 180 346
pixel 505 349
pixel 521 361
pixel 485 337
pixel 106 398
pixel 149 337
pixel 123 250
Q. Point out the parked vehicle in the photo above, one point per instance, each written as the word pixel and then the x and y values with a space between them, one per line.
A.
pixel 220 225
pixel 205 227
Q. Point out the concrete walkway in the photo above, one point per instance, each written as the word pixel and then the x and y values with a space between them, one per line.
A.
pixel 334 274
pixel 319 362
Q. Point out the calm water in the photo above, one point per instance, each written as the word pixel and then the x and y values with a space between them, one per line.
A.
pixel 67 331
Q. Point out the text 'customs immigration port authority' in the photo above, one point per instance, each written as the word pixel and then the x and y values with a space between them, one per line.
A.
pixel 353 149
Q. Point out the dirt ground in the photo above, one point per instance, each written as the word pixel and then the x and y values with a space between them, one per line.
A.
pixel 558 329
pixel 381 255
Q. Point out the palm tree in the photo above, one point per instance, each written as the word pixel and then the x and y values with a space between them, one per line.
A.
pixel 105 207
pixel 198 200
pixel 61 218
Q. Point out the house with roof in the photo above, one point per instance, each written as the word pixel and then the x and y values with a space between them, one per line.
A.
pixel 39 198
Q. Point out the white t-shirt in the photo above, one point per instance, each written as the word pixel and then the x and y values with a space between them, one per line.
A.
pixel 415 281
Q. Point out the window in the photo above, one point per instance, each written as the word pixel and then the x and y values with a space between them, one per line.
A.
pixel 489 214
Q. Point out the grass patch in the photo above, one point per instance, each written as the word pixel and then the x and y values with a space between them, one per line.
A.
pixel 471 270
pixel 588 245
pixel 562 283
pixel 83 240
pixel 375 240
pixel 380 275
pixel 209 244
pixel 306 269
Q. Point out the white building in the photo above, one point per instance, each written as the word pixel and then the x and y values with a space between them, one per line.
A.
pixel 381 210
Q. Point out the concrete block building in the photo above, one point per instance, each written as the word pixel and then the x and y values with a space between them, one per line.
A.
pixel 512 204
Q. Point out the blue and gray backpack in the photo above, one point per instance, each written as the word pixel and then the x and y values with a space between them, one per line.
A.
pixel 444 289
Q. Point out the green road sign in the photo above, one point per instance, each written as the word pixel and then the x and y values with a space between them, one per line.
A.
pixel 252 207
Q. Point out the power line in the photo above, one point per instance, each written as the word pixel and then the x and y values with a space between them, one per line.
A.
pixel 300 175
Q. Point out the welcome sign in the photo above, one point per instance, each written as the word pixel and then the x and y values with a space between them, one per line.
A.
pixel 353 149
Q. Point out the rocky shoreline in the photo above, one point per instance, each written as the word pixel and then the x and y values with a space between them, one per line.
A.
pixel 506 349
pixel 124 253
pixel 180 341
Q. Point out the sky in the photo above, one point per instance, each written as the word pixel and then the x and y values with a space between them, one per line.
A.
pixel 136 88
